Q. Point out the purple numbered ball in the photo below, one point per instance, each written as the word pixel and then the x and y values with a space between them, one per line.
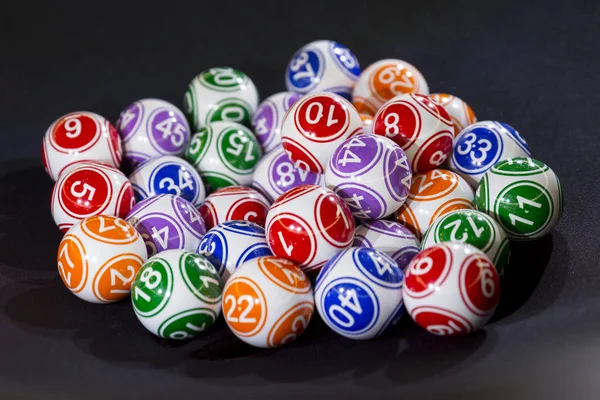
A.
pixel 167 222
pixel 266 122
pixel 276 174
pixel 151 128
pixel 372 174
pixel 390 237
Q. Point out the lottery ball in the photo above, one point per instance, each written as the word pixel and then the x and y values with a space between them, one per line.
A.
pixel 461 114
pixel 367 123
pixel 80 136
pixel 451 289
pixel 371 174
pixel 420 126
pixel 220 94
pixel 152 128
pixel 234 203
pixel 322 66
pixel 308 225
pixel 314 126
pixel 168 175
pixel 523 195
pixel 472 227
pixel 266 122
pixel 390 237
pixel 232 243
pixel 358 293
pixel 87 189
pixel 99 257
pixel 225 154
pixel 167 222
pixel 268 302
pixel 432 195
pixel 275 174
pixel 478 147
pixel 177 294
pixel 383 80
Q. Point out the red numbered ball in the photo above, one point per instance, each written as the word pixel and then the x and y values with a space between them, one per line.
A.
pixel 87 189
pixel 80 136
pixel 234 203
pixel 420 126
pixel 451 289
pixel 309 224
pixel 315 125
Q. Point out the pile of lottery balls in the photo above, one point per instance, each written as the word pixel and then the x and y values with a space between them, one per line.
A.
pixel 356 193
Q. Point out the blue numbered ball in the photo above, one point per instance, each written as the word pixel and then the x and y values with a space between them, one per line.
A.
pixel 168 175
pixel 479 146
pixel 323 65
pixel 358 293
pixel 232 243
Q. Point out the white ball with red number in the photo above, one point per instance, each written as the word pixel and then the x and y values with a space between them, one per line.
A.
pixel 308 225
pixel 80 136
pixel 451 289
pixel 420 126
pixel 315 126
pixel 87 189
pixel 234 203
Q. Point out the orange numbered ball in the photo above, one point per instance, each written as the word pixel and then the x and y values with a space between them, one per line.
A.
pixel 432 195
pixel 461 114
pixel 268 302
pixel 383 80
pixel 99 257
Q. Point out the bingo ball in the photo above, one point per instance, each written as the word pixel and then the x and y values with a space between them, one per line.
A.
pixel 177 295
pixel 371 174
pixel 232 243
pixel 523 195
pixel 389 237
pixel 314 126
pixel 367 123
pixel 420 126
pixel 167 222
pixel 478 147
pixel 461 114
pixel 383 80
pixel 80 136
pixel 472 227
pixel 220 94
pixel 168 175
pixel 451 289
pixel 87 189
pixel 225 154
pixel 234 203
pixel 308 225
pixel 99 257
pixel 275 174
pixel 152 128
pixel 432 195
pixel 268 302
pixel 358 293
pixel 266 122
pixel 322 66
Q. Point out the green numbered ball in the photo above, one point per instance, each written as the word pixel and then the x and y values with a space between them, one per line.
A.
pixel 225 154
pixel 220 94
pixel 177 294
pixel 523 195
pixel 472 227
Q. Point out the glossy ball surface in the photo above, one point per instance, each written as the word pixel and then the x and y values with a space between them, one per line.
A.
pixel 523 195
pixel 266 122
pixel 99 257
pixel 367 123
pixel 80 136
pixel 358 293
pixel 371 174
pixel 460 112
pixel 234 203
pixel 268 302
pixel 451 289
pixel 177 295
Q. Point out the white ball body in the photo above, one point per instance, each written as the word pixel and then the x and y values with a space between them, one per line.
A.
pixel 267 119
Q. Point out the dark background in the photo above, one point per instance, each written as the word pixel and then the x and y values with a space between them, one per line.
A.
pixel 534 66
